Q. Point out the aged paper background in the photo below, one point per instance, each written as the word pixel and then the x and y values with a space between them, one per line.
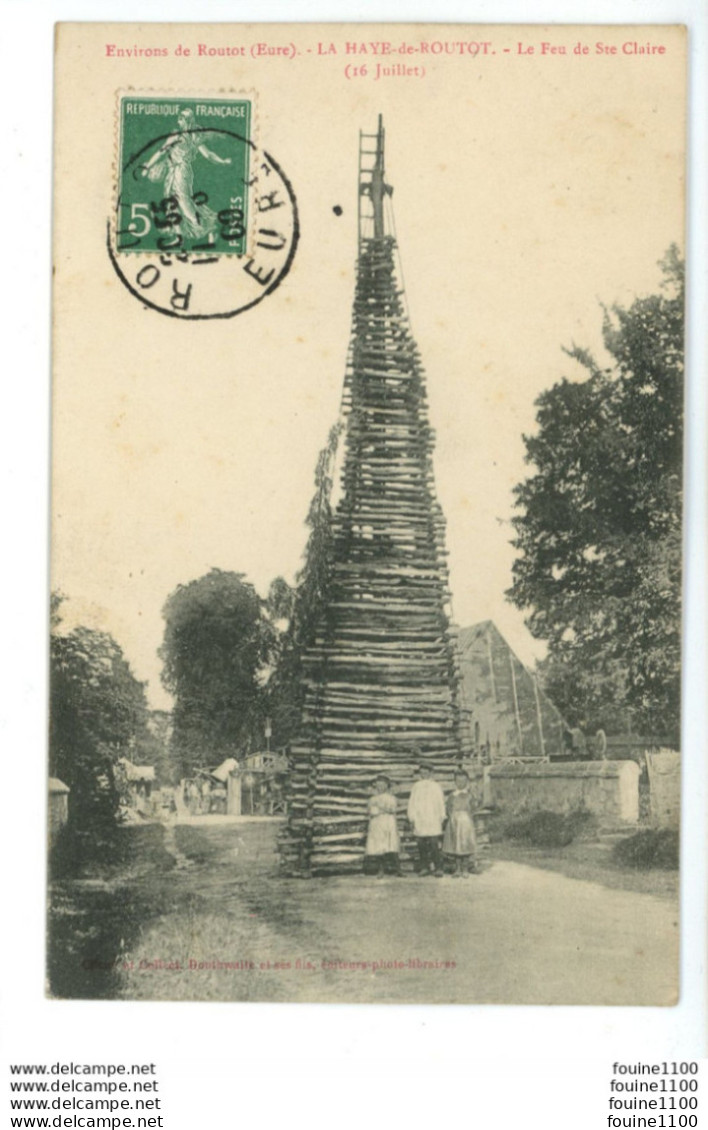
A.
pixel 535 171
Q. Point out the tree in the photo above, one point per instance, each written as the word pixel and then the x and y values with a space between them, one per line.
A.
pixel 218 645
pixel 154 747
pixel 598 525
pixel 98 713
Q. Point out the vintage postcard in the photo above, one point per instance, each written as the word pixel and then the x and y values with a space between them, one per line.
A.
pixel 367 513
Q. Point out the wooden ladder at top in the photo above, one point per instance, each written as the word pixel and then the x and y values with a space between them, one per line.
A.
pixel 372 186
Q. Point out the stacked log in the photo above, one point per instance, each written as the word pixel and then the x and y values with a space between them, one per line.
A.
pixel 381 674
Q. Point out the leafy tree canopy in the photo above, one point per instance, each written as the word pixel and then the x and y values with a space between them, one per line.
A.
pixel 98 713
pixel 598 523
pixel 218 646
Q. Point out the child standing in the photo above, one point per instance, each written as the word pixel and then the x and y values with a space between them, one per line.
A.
pixel 382 841
pixel 426 813
pixel 459 840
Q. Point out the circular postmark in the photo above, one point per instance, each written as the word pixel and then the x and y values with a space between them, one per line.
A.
pixel 197 247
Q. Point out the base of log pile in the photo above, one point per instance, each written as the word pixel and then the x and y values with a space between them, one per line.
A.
pixel 349 861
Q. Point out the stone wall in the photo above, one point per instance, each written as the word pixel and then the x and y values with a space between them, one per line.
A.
pixel 58 811
pixel 664 767
pixel 608 789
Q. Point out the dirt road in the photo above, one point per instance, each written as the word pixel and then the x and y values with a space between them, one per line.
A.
pixel 224 926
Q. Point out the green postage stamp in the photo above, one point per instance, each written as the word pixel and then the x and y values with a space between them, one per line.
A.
pixel 184 168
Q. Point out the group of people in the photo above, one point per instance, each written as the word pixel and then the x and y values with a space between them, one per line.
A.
pixel 443 828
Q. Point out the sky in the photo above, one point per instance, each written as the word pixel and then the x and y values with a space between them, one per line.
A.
pixel 528 189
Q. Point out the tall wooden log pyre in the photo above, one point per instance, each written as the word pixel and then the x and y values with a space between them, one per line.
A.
pixel 381 675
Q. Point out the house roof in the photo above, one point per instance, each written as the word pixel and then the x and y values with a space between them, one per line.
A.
pixel 224 771
pixel 503 698
pixel 137 772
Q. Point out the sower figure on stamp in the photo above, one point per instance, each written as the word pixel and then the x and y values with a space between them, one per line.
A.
pixel 426 813
pixel 382 841
pixel 173 164
pixel 459 840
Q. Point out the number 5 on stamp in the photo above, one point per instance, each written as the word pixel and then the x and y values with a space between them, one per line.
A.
pixel 184 168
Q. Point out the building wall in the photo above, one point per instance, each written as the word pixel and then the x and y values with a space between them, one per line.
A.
pixel 664 768
pixel 608 789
